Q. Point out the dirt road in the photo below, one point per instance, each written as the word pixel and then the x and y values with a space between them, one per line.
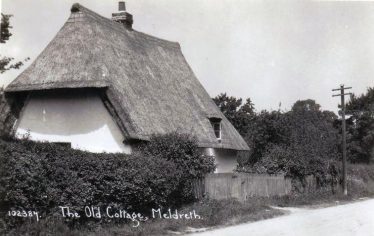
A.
pixel 343 220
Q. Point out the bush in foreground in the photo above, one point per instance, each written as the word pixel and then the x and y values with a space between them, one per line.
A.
pixel 44 176
pixel 183 151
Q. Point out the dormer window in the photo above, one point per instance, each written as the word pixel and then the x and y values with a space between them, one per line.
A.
pixel 217 126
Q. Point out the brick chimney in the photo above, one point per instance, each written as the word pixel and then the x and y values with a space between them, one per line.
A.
pixel 122 16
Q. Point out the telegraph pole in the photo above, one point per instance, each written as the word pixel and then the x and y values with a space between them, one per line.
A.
pixel 344 141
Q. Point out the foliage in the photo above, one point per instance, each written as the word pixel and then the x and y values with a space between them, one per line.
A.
pixel 364 102
pixel 44 176
pixel 7 118
pixel 3 114
pixel 360 178
pixel 5 62
pixel 267 128
pixel 183 151
pixel 297 143
pixel 239 114
pixel 360 127
pixel 305 105
pixel 5 26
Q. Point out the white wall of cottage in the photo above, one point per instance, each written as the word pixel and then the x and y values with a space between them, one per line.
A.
pixel 225 159
pixel 80 119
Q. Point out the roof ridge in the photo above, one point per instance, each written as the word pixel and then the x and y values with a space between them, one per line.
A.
pixel 77 7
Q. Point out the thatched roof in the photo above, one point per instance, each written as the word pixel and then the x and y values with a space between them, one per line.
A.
pixel 147 81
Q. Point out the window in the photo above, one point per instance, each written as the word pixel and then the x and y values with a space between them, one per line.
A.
pixel 217 127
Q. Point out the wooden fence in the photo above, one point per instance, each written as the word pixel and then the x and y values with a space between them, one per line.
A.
pixel 241 186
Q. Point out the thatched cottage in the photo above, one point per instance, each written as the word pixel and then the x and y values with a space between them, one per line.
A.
pixel 102 86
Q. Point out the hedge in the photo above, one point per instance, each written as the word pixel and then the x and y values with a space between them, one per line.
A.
pixel 44 176
pixel 183 151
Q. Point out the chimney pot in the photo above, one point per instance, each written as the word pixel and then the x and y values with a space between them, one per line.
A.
pixel 121 6
pixel 122 16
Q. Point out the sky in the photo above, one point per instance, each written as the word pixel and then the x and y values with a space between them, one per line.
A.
pixel 274 52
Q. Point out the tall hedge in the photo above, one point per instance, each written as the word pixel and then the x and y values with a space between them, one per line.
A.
pixel 44 176
pixel 183 151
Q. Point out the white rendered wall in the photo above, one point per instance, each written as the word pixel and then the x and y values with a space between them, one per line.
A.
pixel 79 118
pixel 225 159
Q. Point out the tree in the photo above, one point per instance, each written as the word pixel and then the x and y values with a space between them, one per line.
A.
pixel 5 62
pixel 296 143
pixel 306 105
pixel 303 141
pixel 360 140
pixel 266 128
pixel 362 103
pixel 239 114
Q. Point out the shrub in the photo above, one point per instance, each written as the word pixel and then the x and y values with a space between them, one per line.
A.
pixel 183 151
pixel 361 178
pixel 44 176
pixel 305 143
